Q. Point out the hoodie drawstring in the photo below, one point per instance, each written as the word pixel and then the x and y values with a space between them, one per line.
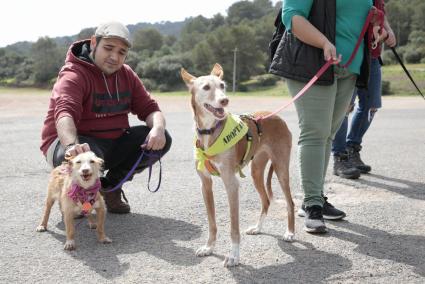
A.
pixel 116 86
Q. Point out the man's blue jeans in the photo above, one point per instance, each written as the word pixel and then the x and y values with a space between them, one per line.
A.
pixel 362 118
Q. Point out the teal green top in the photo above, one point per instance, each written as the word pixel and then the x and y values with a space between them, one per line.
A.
pixel 350 18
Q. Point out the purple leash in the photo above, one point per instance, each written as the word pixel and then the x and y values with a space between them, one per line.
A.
pixel 151 156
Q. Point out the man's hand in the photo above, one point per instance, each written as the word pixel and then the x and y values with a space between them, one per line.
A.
pixel 73 150
pixel 155 139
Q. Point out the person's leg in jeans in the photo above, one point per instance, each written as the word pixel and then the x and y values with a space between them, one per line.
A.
pixel 369 103
pixel 342 166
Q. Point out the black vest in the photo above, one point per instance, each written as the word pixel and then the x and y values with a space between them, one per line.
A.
pixel 299 61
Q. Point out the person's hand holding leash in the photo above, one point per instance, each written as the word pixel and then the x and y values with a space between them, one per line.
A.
pixel 155 139
pixel 390 39
pixel 329 52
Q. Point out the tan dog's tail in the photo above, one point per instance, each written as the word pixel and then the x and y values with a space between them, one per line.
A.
pixel 269 183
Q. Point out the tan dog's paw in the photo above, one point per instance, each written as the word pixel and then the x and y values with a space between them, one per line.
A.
pixel 204 251
pixel 105 240
pixel 69 245
pixel 92 225
pixel 230 261
pixel 41 228
pixel 254 230
pixel 289 237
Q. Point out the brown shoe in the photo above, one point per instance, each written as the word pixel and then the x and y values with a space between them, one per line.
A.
pixel 114 204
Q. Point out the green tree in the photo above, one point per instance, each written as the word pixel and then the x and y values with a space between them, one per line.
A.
pixel 47 60
pixel 418 18
pixel 399 15
pixel 193 32
pixel 147 40
pixel 203 57
pixel 86 33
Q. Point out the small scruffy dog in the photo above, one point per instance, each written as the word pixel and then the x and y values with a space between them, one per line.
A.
pixel 76 185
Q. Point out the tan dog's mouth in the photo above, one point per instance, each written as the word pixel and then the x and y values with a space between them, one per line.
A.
pixel 216 111
pixel 86 177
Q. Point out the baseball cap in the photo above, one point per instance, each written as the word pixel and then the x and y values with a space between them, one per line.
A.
pixel 113 30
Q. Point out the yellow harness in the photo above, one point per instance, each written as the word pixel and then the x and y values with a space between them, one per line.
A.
pixel 233 131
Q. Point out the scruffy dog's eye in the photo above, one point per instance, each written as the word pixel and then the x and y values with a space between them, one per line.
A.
pixel 91 161
pixel 222 86
pixel 206 87
pixel 78 162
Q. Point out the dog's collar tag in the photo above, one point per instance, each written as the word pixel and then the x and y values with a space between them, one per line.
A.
pixel 87 206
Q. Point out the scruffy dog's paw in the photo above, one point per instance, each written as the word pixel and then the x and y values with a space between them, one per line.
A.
pixel 41 228
pixel 230 261
pixel 69 245
pixel 204 251
pixel 254 230
pixel 289 237
pixel 92 225
pixel 105 240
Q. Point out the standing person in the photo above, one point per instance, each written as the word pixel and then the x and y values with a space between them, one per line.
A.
pixel 316 31
pixel 89 110
pixel 346 149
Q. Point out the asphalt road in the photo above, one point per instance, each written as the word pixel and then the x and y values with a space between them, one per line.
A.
pixel 382 239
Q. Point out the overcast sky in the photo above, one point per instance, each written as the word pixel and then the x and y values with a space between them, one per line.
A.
pixel 28 20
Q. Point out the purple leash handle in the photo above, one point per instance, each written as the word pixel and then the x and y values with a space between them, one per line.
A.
pixel 152 155
pixel 128 174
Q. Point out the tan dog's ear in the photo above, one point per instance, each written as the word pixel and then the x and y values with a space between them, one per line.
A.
pixel 217 71
pixel 187 78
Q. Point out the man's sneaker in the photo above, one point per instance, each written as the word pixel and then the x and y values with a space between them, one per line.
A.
pixel 344 168
pixel 113 201
pixel 354 158
pixel 329 211
pixel 313 222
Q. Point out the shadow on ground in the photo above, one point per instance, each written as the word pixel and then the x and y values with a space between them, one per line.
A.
pixel 407 188
pixel 305 268
pixel 132 234
pixel 407 249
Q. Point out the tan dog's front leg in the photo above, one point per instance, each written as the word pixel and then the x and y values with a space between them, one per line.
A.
pixel 68 216
pixel 100 213
pixel 208 196
pixel 47 208
pixel 232 188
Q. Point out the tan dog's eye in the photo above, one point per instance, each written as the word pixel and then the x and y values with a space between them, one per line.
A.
pixel 91 161
pixel 78 162
pixel 206 87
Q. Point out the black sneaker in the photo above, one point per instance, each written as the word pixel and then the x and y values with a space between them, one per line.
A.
pixel 314 223
pixel 355 160
pixel 329 211
pixel 344 168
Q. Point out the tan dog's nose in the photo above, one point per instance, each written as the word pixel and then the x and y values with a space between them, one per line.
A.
pixel 224 102
pixel 86 171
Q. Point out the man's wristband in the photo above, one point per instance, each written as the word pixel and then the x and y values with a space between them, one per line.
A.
pixel 69 146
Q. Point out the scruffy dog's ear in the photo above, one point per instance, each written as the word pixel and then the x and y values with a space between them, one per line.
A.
pixel 100 162
pixel 217 71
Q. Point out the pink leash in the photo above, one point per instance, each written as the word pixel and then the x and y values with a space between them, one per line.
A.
pixel 323 70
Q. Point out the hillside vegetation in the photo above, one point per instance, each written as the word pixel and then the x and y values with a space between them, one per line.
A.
pixel 161 49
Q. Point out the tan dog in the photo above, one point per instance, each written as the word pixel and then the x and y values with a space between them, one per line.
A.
pixel 76 185
pixel 270 140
